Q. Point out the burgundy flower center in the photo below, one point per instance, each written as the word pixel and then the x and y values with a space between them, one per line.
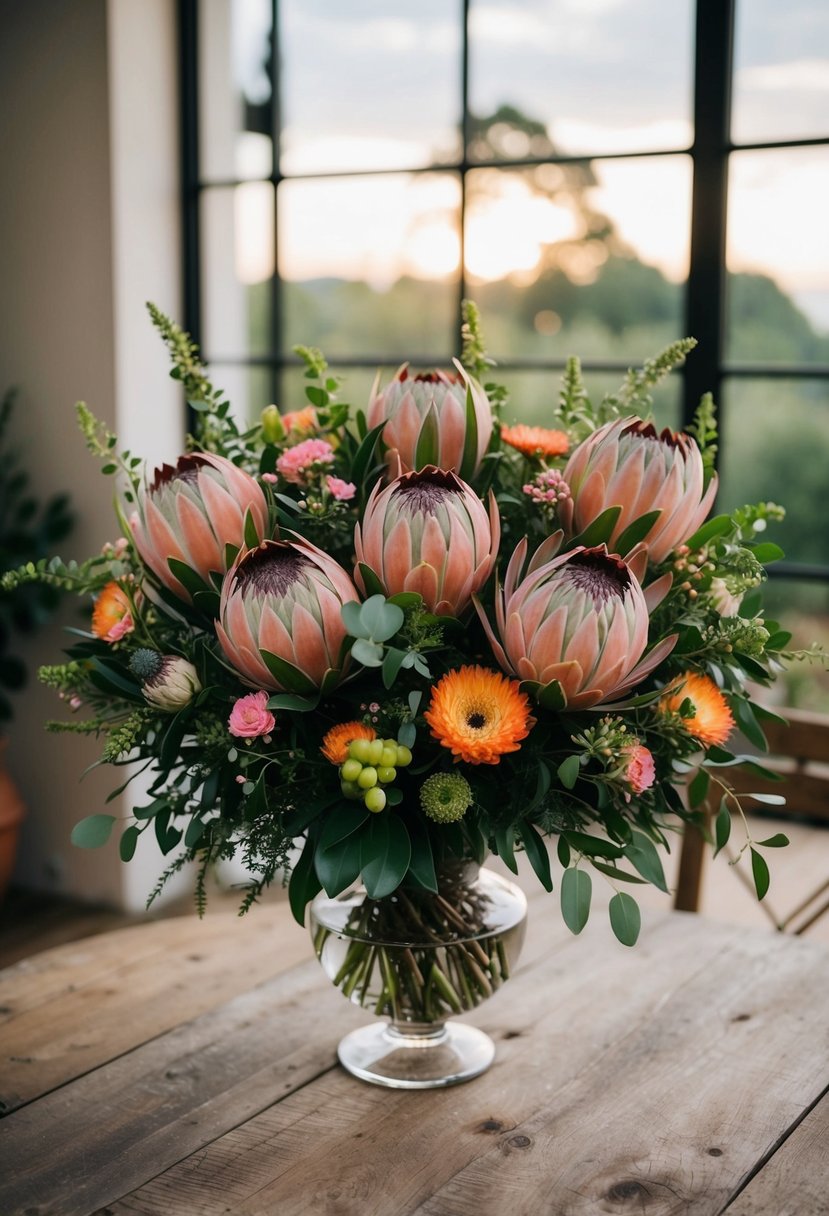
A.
pixel 426 490
pixel 429 377
pixel 271 569
pixel 185 469
pixel 646 430
pixel 598 574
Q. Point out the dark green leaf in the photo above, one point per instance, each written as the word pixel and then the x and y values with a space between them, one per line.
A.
pixel 645 859
pixel 615 873
pixel 563 851
pixel 760 873
pixel 93 831
pixel 635 532
pixel 304 883
pixel 129 840
pixel 317 396
pixel 537 853
pixel 365 453
pixel 338 867
pixel 504 847
pixel 289 677
pixel 593 846
pixel 252 537
pixel 340 822
pixel 289 700
pixel 428 441
pixel 747 723
pixel 195 830
pixel 576 892
pixel 372 583
pixel 470 443
pixel 386 854
pixel 112 679
pixel 767 552
pixel 600 531
pixel 778 841
pixel 722 827
pixel 422 862
pixel 625 918
pixel 568 772
pixel 717 526
pixel 698 788
pixel 188 578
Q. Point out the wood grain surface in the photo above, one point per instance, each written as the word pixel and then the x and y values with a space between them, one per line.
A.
pixel 673 1078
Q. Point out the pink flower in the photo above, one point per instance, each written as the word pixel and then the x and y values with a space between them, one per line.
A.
pixel 639 773
pixel 548 486
pixel 342 490
pixel 296 463
pixel 250 716
pixel 270 478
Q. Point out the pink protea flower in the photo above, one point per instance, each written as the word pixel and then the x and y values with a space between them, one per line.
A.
pixel 284 597
pixel 580 619
pixel 627 464
pixel 435 400
pixel 191 511
pixel 343 491
pixel 297 462
pixel 639 773
pixel 250 716
pixel 429 532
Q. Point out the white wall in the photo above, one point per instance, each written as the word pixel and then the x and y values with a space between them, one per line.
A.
pixel 89 221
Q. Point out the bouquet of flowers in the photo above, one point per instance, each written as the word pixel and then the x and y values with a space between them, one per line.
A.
pixel 402 637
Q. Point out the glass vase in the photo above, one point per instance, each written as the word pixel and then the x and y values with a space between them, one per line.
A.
pixel 415 958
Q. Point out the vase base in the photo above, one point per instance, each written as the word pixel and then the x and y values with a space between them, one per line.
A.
pixel 384 1055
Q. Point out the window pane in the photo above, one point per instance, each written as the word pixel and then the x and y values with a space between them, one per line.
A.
pixel 803 609
pixel 776 447
pixel 235 89
pixel 369 86
pixel 236 267
pixel 586 259
pixel 573 78
pixel 781 70
pixel 370 264
pixel 778 249
pixel 248 389
pixel 534 395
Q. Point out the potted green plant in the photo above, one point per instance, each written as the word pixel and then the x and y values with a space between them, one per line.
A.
pixel 29 530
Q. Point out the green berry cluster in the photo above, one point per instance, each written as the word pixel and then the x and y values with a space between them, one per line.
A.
pixel 371 764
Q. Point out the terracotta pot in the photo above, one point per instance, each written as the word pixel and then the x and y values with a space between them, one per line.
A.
pixel 12 811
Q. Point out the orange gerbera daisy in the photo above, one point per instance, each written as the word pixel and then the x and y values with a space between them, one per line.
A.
pixel 536 440
pixel 479 714
pixel 712 722
pixel 303 421
pixel 112 614
pixel 335 744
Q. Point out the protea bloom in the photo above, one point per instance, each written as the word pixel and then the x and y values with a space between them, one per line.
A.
pixel 429 532
pixel 432 406
pixel 580 619
pixel 284 598
pixel 191 511
pixel 627 464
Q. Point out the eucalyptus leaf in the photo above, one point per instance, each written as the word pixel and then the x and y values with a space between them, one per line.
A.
pixel 93 831
pixel 625 918
pixel 576 893
pixel 760 873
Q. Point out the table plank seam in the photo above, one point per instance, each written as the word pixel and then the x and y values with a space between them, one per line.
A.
pixel 776 1146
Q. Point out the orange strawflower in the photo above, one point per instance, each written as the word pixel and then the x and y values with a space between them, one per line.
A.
pixel 112 614
pixel 536 440
pixel 712 722
pixel 479 714
pixel 335 744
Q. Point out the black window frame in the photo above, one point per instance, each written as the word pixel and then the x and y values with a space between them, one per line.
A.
pixel 705 293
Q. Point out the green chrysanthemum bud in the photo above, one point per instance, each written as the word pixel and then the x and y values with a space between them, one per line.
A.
pixel 146 663
pixel 446 797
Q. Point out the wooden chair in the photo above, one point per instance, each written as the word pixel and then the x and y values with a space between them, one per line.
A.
pixel 799 751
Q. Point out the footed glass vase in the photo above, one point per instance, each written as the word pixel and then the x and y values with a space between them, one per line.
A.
pixel 416 958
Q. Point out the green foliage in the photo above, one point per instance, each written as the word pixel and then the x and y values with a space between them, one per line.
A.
pixel 29 532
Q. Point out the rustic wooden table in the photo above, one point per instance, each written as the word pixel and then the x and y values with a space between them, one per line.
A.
pixel 188 1069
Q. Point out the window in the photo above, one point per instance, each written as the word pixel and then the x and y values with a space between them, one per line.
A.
pixel 600 178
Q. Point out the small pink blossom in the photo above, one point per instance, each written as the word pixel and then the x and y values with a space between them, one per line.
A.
pixel 548 486
pixel 342 490
pixel 296 462
pixel 250 716
pixel 270 478
pixel 120 629
pixel 639 771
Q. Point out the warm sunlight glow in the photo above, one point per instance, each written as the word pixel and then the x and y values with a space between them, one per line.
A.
pixel 507 229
